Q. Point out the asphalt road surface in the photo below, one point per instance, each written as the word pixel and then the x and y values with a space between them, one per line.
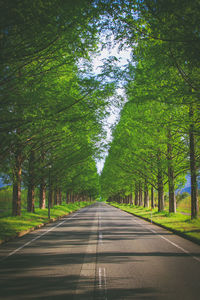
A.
pixel 102 253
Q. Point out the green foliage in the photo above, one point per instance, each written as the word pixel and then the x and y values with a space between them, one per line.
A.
pixel 53 108
pixel 151 143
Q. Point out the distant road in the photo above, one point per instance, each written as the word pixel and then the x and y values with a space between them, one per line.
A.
pixel 103 253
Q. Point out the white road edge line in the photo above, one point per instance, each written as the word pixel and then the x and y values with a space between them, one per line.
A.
pixel 170 242
pixel 102 281
pixel 37 237
pixel 100 238
pixel 105 283
pixel 177 246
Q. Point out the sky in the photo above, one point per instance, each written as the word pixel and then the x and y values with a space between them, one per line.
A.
pixel 123 57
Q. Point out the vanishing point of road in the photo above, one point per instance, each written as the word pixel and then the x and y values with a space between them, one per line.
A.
pixel 103 253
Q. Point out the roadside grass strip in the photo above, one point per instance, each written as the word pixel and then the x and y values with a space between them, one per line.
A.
pixel 176 222
pixel 11 227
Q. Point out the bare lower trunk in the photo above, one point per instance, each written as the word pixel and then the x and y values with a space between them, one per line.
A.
pixel 160 183
pixel 160 192
pixel 42 194
pixel 136 201
pixel 131 198
pixel 67 197
pixel 31 199
pixel 70 197
pixel 152 198
pixel 31 185
pixel 172 198
pixel 55 196
pixel 59 196
pixel 193 168
pixel 160 196
pixel 50 197
pixel 16 197
pixel 146 195
pixel 140 194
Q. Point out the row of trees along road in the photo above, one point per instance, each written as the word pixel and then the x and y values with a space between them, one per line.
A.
pixel 158 136
pixel 51 112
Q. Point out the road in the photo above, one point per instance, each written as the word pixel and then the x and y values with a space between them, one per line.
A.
pixel 103 253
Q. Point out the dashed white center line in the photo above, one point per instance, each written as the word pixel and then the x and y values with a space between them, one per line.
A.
pixel 100 238
pixel 101 271
pixel 102 283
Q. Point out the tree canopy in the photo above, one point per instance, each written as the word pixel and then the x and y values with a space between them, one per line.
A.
pixel 53 107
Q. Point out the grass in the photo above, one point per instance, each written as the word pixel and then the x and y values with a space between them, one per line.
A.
pixel 13 226
pixel 173 221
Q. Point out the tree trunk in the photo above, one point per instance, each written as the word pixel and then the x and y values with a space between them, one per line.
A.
pixel 160 183
pixel 131 198
pixel 128 199
pixel 140 194
pixel 50 196
pixel 72 197
pixel 56 196
pixel 160 194
pixel 172 198
pixel 193 168
pixel 152 198
pixel 146 194
pixel 42 194
pixel 136 195
pixel 31 199
pixel 17 172
pixel 59 196
pixel 31 184
pixel 67 197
